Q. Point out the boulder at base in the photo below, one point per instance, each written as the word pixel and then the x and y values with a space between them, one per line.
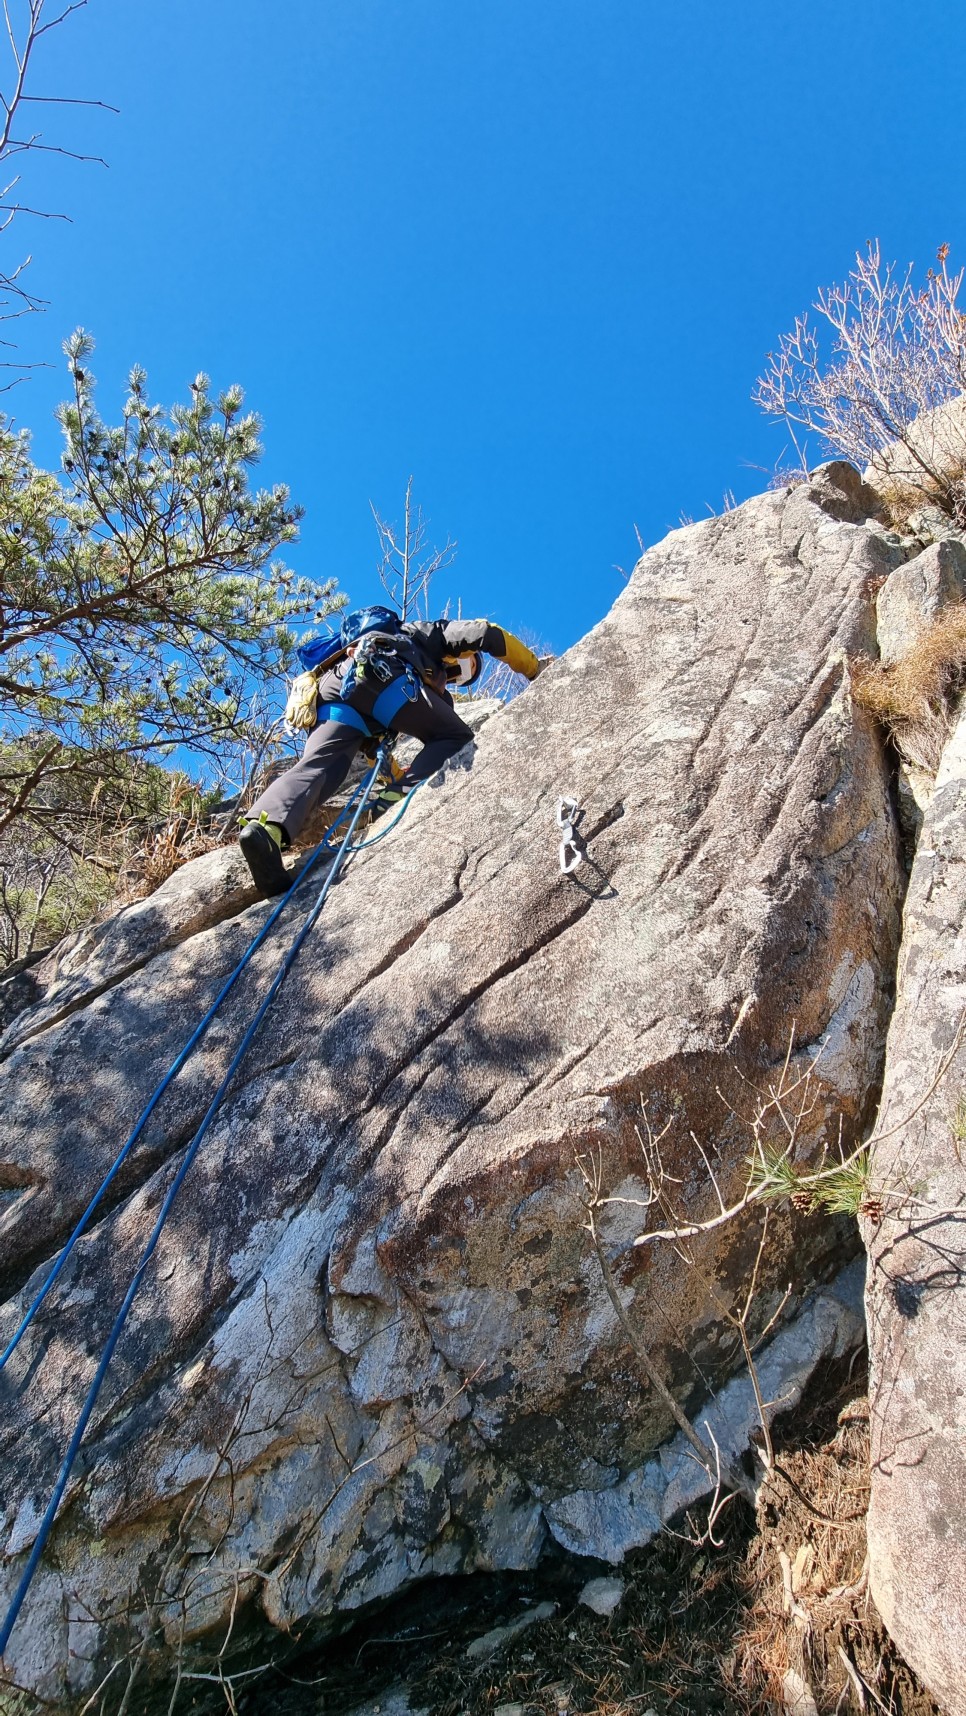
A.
pixel 917 1276
pixel 373 1345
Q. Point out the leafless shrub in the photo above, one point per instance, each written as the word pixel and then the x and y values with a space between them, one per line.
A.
pixel 407 563
pixel 777 1170
pixel 25 23
pixel 162 852
pixel 62 867
pixel 787 477
pixel 59 869
pixel 885 355
pixel 917 697
pixel 707 1452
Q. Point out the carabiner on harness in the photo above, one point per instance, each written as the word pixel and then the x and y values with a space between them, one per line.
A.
pixel 571 854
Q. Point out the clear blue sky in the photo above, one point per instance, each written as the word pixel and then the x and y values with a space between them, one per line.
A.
pixel 532 251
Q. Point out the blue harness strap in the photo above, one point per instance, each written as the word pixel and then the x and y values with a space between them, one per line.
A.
pixel 403 689
pixel 344 713
pixel 389 702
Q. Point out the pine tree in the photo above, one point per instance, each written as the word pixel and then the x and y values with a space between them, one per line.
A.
pixel 141 608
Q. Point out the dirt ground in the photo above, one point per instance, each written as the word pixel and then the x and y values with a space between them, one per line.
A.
pixel 703 1627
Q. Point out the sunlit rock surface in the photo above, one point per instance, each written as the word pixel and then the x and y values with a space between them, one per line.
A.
pixel 917 1273
pixel 373 1344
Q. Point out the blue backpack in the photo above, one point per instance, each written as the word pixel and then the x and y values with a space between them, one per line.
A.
pixel 325 652
pixel 362 620
pixel 321 652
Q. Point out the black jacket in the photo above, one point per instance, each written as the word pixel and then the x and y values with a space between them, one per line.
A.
pixel 424 646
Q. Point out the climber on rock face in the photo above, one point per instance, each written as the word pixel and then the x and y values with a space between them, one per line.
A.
pixel 386 676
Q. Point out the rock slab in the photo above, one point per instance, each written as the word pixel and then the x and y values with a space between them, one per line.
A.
pixel 914 595
pixel 373 1346
pixel 917 1273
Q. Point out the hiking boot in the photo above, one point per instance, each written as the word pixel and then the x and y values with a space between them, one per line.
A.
pixel 262 853
pixel 388 799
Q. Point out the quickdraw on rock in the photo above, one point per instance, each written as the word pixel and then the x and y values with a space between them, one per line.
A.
pixel 571 851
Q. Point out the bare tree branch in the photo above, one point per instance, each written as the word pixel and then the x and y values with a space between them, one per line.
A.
pixel 407 564
pixel 25 23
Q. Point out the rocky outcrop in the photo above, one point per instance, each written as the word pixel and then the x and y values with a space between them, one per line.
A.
pixel 933 445
pixel 373 1344
pixel 917 1274
pixel 915 594
pixel 911 601
pixel 607 1523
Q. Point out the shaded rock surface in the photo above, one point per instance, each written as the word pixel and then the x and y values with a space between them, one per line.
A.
pixel 607 1523
pixel 917 1275
pixel 372 1345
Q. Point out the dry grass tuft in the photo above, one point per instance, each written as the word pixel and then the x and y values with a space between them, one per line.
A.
pixel 787 477
pixel 916 697
pixel 902 499
pixel 807 1574
pixel 160 854
pixel 703 1630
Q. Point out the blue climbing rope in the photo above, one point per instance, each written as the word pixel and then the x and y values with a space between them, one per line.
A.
pixel 374 839
pixel 107 1354
pixel 169 1077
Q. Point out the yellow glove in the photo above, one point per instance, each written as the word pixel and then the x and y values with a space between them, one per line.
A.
pixel 518 657
pixel 302 702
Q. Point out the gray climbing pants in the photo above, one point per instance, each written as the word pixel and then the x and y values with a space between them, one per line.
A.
pixel 331 746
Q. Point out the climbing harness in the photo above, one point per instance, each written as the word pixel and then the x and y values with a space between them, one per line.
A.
pixel 359 800
pixel 571 851
pixel 403 688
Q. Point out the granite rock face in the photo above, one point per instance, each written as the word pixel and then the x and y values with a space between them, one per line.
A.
pixel 628 1514
pixel 917 1266
pixel 911 600
pixel 914 595
pixel 934 443
pixel 372 1345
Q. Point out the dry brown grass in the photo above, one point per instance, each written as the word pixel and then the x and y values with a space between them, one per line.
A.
pixel 916 698
pixel 703 1629
pixel 161 853
pixel 806 1576
pixel 787 477
pixel 902 499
